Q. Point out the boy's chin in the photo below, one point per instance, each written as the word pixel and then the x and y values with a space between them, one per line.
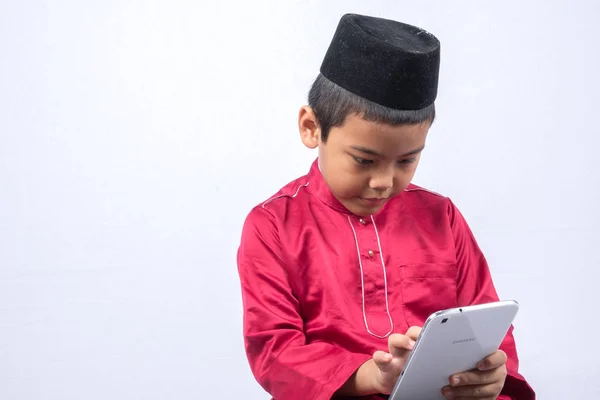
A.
pixel 365 210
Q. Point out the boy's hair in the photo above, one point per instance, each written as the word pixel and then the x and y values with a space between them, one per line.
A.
pixel 332 104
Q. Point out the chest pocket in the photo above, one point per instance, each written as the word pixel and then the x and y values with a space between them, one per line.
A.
pixel 424 289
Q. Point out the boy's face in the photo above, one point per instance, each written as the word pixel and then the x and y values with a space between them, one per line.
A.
pixel 365 163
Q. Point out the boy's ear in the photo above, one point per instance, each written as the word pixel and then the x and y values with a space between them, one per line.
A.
pixel 310 132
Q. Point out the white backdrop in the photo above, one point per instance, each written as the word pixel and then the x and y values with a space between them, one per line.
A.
pixel 135 137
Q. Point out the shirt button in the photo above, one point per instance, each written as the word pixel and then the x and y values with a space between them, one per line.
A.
pixel 370 253
pixel 362 221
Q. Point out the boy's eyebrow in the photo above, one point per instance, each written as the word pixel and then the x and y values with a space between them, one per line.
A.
pixel 376 154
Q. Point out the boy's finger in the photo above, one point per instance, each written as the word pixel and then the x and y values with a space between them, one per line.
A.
pixel 475 378
pixel 478 391
pixel 413 332
pixel 400 344
pixel 495 360
pixel 382 360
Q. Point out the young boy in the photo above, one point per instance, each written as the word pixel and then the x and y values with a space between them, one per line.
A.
pixel 342 266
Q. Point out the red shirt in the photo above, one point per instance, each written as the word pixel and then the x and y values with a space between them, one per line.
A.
pixel 322 288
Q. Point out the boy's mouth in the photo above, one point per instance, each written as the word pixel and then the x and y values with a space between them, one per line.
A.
pixel 374 201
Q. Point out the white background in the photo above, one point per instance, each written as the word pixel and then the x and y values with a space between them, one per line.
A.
pixel 135 136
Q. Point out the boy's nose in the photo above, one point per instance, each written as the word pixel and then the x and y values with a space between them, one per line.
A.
pixel 382 182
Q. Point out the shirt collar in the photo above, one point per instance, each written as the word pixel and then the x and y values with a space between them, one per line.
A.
pixel 319 188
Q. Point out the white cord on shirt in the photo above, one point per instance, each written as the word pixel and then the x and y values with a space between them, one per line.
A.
pixel 362 281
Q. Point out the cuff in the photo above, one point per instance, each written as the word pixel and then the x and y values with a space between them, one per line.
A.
pixel 516 388
pixel 341 375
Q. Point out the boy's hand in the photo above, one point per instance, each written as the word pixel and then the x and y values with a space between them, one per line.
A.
pixel 390 365
pixel 485 382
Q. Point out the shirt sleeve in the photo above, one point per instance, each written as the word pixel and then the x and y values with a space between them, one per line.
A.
pixel 281 359
pixel 475 286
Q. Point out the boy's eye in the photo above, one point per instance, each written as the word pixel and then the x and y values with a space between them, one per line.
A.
pixel 407 161
pixel 362 161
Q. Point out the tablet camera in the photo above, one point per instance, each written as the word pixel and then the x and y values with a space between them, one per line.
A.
pixel 444 320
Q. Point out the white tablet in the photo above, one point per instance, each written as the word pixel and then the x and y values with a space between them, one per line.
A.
pixel 453 341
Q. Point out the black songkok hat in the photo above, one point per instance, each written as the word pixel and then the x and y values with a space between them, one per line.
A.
pixel 387 62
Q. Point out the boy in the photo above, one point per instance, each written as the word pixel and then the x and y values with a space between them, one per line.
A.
pixel 342 266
